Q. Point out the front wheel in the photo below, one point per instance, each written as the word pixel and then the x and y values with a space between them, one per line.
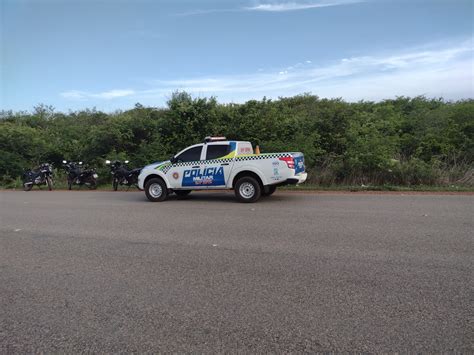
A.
pixel 92 184
pixel 156 190
pixel 115 184
pixel 247 189
pixel 49 181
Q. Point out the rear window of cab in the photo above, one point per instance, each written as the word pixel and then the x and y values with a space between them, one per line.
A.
pixel 215 151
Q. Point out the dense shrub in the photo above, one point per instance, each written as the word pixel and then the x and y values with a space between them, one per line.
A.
pixel 403 141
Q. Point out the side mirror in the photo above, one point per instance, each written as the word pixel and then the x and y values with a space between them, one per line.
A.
pixel 64 162
pixel 127 161
pixel 107 162
pixel 80 163
pixel 173 159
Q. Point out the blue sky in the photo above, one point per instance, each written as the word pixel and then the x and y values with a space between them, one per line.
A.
pixel 111 54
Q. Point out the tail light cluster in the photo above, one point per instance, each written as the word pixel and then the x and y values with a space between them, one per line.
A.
pixel 289 162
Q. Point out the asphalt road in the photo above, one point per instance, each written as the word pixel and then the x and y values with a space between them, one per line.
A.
pixel 111 272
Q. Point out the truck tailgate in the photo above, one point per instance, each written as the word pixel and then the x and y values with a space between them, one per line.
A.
pixel 299 162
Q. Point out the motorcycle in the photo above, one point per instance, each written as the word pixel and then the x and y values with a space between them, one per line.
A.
pixel 80 175
pixel 122 175
pixel 43 175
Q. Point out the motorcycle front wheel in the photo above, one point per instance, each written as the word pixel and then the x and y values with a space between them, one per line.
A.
pixel 49 181
pixel 115 184
pixel 92 185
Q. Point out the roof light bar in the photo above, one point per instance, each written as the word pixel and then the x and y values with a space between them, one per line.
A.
pixel 214 139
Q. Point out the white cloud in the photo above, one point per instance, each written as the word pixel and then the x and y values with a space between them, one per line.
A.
pixel 73 95
pixel 82 95
pixel 112 94
pixel 293 6
pixel 208 11
pixel 435 71
pixel 275 7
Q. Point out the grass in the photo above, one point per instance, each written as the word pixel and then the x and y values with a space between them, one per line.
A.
pixel 355 188
pixel 62 185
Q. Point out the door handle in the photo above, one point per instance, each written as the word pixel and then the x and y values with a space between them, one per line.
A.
pixel 224 164
pixel 197 166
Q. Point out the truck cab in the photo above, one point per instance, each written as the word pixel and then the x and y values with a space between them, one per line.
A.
pixel 206 165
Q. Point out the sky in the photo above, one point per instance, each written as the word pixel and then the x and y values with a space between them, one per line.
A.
pixel 111 54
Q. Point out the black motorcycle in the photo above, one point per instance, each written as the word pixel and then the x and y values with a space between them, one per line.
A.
pixel 43 175
pixel 77 174
pixel 122 175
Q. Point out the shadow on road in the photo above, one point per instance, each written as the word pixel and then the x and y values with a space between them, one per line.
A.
pixel 139 196
pixel 198 196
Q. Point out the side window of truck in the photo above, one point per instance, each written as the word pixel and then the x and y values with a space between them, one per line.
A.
pixel 215 151
pixel 192 154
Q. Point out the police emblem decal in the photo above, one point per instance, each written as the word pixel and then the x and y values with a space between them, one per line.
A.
pixel 175 175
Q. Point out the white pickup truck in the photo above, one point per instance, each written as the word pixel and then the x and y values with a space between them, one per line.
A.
pixel 222 164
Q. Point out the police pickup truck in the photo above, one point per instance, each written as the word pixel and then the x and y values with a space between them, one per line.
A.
pixel 222 164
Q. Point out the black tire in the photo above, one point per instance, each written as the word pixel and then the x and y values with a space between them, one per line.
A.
pixel 156 190
pixel 268 190
pixel 49 182
pixel 69 184
pixel 92 184
pixel 247 189
pixel 182 194
pixel 115 184
pixel 27 187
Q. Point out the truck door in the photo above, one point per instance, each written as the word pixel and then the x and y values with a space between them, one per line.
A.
pixel 185 171
pixel 219 159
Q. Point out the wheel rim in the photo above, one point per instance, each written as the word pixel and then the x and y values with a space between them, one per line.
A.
pixel 247 190
pixel 155 190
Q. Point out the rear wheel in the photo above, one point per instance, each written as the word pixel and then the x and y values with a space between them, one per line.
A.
pixel 27 186
pixel 268 190
pixel 156 190
pixel 247 189
pixel 182 193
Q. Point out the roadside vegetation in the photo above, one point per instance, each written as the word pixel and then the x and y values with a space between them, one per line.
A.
pixel 406 142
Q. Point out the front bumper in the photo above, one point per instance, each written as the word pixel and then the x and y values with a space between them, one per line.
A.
pixel 141 181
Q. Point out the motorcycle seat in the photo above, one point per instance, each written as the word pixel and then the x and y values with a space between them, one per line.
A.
pixel 32 173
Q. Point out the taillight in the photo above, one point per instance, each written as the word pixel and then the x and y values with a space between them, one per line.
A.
pixel 289 161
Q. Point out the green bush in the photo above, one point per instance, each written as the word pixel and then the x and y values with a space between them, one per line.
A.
pixel 406 141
